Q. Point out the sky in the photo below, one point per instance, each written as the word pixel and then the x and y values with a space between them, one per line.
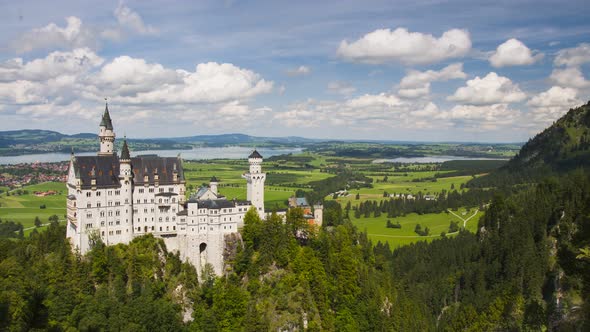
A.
pixel 493 71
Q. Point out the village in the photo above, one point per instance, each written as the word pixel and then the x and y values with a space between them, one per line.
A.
pixel 18 175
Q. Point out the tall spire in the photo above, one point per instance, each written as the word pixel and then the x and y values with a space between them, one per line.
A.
pixel 125 151
pixel 106 117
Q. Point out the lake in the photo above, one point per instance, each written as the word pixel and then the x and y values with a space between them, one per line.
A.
pixel 429 159
pixel 200 153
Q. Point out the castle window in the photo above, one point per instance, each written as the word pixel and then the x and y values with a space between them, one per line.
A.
pixel 167 228
pixel 110 203
pixel 144 210
pixel 110 213
pixel 138 220
pixel 167 219
pixel 145 201
pixel 152 228
pixel 102 223
pixel 141 191
pixel 151 190
pixel 102 233
pixel 173 200
pixel 152 200
pixel 152 210
pixel 160 219
pixel 139 229
pixel 102 213
pixel 160 228
pixel 173 218
pixel 118 222
pixel 126 200
pixel 118 232
pixel 134 210
pixel 160 200
pixel 88 205
pixel 88 215
pixel 88 194
pixel 117 192
pixel 161 190
pixel 110 223
pixel 98 204
pixel 138 201
pixel 117 213
pixel 170 189
pixel 173 228
pixel 117 203
pixel 110 193
pixel 98 193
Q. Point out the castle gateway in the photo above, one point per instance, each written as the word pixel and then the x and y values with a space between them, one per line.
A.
pixel 119 197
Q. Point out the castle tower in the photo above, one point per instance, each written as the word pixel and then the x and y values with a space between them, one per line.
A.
pixel 213 184
pixel 255 182
pixel 126 180
pixel 318 214
pixel 106 134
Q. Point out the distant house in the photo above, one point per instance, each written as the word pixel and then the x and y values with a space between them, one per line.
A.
pixel 315 216
pixel 430 197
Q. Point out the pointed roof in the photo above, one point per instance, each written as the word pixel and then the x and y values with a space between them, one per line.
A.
pixel 255 154
pixel 125 151
pixel 106 118
pixel 213 179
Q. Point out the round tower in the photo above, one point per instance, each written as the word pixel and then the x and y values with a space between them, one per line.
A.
pixel 255 182
pixel 126 181
pixel 106 134
pixel 213 183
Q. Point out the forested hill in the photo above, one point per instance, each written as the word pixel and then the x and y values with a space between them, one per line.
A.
pixel 562 147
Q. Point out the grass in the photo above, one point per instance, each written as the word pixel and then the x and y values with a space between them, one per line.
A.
pixel 24 208
pixel 436 222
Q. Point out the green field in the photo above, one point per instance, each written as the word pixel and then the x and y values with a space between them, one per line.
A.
pixel 24 208
pixel 437 222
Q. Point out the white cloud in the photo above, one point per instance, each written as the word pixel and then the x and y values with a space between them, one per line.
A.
pixel 513 53
pixel 491 89
pixel 488 117
pixel 417 83
pixel 548 106
pixel 341 87
pixel 400 45
pixel 299 71
pixel 574 56
pixel 570 77
pixel 53 65
pixel 131 20
pixel 73 35
pixel 126 76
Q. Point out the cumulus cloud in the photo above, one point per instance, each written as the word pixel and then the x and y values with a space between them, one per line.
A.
pixel 341 87
pixel 417 83
pixel 574 56
pixel 73 35
pixel 131 20
pixel 53 65
pixel 299 71
pixel 486 117
pixel 400 45
pixel 569 77
pixel 549 105
pixel 513 53
pixel 74 82
pixel 491 89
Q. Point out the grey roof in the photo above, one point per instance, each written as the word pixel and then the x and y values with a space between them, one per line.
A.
pixel 125 151
pixel 301 201
pixel 106 118
pixel 201 192
pixel 213 179
pixel 166 194
pixel 105 169
pixel 255 154
pixel 152 165
pixel 216 204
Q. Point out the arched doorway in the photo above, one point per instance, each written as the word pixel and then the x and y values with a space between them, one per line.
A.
pixel 203 253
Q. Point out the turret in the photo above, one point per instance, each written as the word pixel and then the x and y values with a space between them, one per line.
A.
pixel 255 182
pixel 106 134
pixel 213 184
pixel 126 181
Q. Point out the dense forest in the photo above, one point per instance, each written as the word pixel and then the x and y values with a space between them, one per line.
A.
pixel 526 268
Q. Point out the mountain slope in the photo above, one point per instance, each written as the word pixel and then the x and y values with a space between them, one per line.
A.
pixel 562 147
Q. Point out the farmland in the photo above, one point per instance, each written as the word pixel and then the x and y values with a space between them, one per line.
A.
pixel 301 173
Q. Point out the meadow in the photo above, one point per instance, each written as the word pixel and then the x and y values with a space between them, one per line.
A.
pixel 287 175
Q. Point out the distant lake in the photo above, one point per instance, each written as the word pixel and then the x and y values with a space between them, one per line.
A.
pixel 429 159
pixel 201 153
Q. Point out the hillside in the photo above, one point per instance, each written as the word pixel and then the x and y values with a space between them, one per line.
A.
pixel 562 147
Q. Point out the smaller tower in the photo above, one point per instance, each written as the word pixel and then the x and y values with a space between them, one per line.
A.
pixel 213 185
pixel 106 135
pixel 318 214
pixel 126 181
pixel 255 182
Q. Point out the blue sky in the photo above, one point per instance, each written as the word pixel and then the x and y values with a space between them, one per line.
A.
pixel 402 70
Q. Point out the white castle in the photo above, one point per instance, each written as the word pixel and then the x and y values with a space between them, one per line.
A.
pixel 119 198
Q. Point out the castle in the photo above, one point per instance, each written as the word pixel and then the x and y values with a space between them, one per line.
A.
pixel 116 198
